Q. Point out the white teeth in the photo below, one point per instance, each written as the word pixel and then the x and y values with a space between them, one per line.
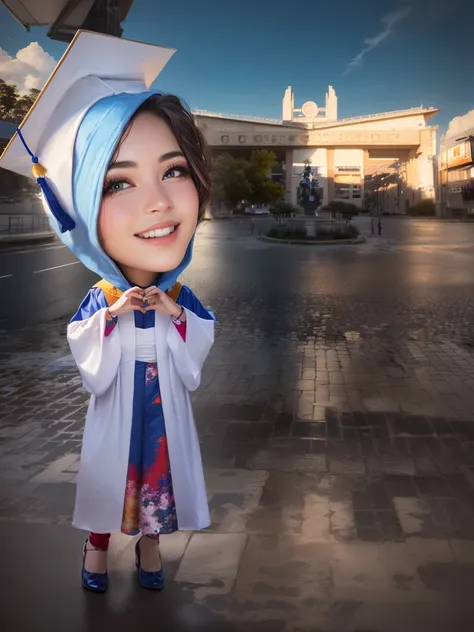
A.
pixel 159 232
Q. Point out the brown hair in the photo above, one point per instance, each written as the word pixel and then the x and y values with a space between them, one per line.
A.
pixel 178 117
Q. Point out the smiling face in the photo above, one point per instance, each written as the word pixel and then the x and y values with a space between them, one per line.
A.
pixel 150 203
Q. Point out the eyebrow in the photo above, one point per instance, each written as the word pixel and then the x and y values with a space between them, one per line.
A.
pixel 128 164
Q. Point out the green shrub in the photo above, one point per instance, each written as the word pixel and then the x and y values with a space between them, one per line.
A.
pixel 324 233
pixel 425 208
pixel 283 231
pixel 341 231
pixel 344 208
pixel 283 209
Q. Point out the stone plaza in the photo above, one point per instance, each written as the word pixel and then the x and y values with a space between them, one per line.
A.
pixel 337 431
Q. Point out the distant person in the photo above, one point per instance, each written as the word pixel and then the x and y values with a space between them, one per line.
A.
pixel 380 226
pixel 252 224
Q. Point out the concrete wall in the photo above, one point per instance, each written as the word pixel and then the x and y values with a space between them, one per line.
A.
pixel 349 158
pixel 403 122
pixel 226 125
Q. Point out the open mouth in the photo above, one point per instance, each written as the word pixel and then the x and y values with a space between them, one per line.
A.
pixel 158 232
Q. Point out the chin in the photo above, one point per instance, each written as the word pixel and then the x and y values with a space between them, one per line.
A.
pixel 160 263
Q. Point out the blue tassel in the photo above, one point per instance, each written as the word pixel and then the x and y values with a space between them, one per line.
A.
pixel 65 221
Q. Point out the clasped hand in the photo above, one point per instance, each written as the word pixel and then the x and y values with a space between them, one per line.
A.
pixel 152 298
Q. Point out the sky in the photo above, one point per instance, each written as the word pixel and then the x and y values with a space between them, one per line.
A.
pixel 239 57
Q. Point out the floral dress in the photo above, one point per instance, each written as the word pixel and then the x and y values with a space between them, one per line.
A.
pixel 149 506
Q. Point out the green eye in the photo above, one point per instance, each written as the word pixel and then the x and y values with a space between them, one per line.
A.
pixel 116 185
pixel 176 172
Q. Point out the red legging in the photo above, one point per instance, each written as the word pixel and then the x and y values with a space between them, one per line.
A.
pixel 101 540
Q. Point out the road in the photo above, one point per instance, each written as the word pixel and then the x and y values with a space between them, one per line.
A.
pixel 418 276
pixel 39 284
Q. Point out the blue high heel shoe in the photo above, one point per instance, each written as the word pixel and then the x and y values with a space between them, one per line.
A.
pixel 96 582
pixel 153 580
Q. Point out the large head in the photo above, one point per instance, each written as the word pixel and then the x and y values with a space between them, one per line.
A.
pixel 150 193
pixel 123 169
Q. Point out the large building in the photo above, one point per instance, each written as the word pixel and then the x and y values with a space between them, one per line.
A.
pixel 384 162
pixel 381 162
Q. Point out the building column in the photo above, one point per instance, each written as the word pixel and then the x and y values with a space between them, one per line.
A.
pixel 330 173
pixel 290 196
pixel 365 172
pixel 412 178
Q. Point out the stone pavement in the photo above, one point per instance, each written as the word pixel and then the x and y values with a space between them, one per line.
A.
pixel 340 471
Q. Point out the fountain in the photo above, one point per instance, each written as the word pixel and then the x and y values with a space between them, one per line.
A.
pixel 309 197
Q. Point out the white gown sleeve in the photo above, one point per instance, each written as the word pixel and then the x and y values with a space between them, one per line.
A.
pixel 97 356
pixel 189 356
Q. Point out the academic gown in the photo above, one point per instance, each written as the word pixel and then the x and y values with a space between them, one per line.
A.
pixel 141 468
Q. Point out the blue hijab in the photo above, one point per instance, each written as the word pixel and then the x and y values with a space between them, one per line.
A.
pixel 96 140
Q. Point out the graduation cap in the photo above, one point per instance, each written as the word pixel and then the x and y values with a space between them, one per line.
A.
pixel 93 67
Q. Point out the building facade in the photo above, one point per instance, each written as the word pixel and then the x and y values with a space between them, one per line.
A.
pixel 380 161
pixel 456 176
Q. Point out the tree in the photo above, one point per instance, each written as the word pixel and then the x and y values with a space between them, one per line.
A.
pixel 13 106
pixel 237 179
pixel 258 172
pixel 23 105
pixel 8 99
pixel 271 193
pixel 229 179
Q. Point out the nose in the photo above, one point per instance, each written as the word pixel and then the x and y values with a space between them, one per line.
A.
pixel 157 199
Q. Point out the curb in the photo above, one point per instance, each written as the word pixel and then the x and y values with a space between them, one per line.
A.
pixel 25 240
pixel 452 220
pixel 304 242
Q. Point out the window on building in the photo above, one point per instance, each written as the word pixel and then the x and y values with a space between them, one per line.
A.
pixel 347 186
pixel 458 175
pixel 342 190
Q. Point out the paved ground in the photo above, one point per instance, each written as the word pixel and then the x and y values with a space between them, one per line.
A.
pixel 337 431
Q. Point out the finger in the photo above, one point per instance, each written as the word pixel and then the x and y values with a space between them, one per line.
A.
pixel 135 290
pixel 150 291
pixel 135 298
pixel 149 308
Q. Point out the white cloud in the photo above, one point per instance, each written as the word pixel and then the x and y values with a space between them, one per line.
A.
pixel 461 125
pixel 389 21
pixel 29 69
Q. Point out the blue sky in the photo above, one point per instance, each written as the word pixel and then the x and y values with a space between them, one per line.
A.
pixel 239 57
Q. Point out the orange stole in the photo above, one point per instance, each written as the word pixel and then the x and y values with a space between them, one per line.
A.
pixel 112 293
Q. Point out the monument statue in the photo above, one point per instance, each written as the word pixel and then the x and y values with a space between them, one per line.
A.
pixel 309 192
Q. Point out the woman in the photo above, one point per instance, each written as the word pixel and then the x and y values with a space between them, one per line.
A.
pixel 140 184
